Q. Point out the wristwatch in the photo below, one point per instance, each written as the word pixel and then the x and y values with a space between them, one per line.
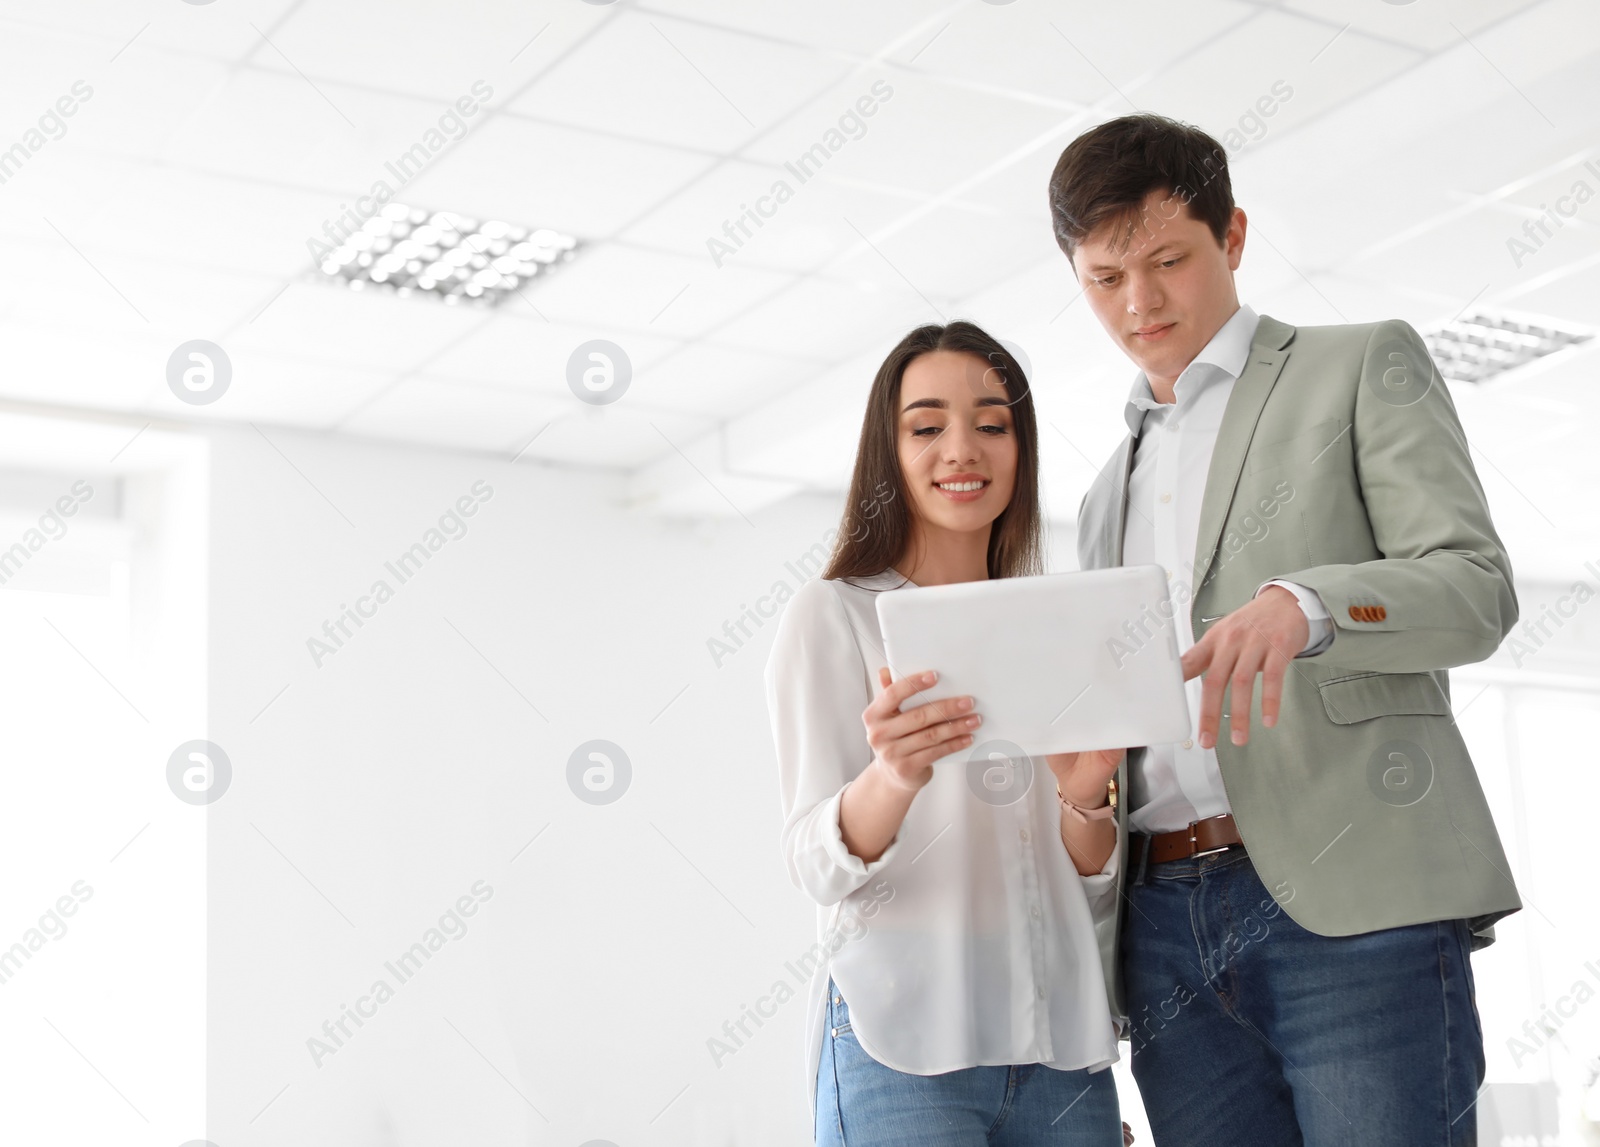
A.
pixel 1087 814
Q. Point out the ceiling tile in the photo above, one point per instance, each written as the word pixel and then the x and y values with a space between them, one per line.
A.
pixel 691 221
pixel 1569 291
pixel 835 25
pixel 1426 26
pixel 689 84
pixel 1266 74
pixel 515 350
pixel 87 286
pixel 628 288
pixel 109 372
pixel 81 100
pixel 187 30
pixel 370 329
pixel 843 316
pixel 121 205
pixel 1070 53
pixel 430 410
pixel 621 436
pixel 541 175
pixel 281 391
pixel 285 129
pixel 808 432
pixel 748 215
pixel 1470 254
pixel 423 48
pixel 718 382
pixel 950 253
pixel 835 137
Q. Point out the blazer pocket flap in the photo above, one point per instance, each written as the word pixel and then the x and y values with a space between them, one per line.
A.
pixel 1351 699
pixel 1308 444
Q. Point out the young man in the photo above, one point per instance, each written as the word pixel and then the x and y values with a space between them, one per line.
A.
pixel 1306 874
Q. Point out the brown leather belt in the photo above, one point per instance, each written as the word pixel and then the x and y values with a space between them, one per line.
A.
pixel 1213 834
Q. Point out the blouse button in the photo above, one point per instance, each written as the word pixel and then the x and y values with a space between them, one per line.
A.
pixel 1024 836
pixel 1041 993
pixel 1036 910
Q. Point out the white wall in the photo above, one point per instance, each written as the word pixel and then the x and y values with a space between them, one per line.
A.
pixel 372 792
pixel 103 904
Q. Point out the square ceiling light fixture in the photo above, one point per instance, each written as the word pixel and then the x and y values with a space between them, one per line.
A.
pixel 1480 345
pixel 463 260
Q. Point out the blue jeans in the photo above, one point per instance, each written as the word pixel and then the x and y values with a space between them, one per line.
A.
pixel 1249 1031
pixel 862 1103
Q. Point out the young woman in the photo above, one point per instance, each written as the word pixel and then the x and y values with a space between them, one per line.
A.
pixel 957 996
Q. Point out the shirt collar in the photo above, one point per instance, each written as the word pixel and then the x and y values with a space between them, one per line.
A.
pixel 1228 351
pixel 890 578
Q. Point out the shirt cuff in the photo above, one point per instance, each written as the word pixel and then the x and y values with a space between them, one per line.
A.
pixel 1102 881
pixel 837 851
pixel 1318 622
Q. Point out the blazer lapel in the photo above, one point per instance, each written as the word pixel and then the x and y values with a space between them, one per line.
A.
pixel 1119 516
pixel 1268 353
pixel 1105 511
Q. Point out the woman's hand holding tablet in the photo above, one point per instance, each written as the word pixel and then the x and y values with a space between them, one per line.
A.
pixel 904 748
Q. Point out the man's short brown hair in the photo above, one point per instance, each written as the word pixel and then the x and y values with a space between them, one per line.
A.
pixel 1105 174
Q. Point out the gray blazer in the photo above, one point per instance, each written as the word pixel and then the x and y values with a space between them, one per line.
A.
pixel 1341 465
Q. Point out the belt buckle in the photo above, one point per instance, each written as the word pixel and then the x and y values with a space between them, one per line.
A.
pixel 1193 841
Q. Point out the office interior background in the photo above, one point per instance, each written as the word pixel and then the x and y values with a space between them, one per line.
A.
pixel 410 407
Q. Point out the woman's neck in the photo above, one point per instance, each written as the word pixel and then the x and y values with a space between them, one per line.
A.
pixel 938 557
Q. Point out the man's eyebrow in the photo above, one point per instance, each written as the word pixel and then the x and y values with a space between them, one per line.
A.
pixel 1154 253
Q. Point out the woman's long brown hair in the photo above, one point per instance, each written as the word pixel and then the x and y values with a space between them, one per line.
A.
pixel 875 531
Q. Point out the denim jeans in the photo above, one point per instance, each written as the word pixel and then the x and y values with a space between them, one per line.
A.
pixel 862 1103
pixel 1249 1031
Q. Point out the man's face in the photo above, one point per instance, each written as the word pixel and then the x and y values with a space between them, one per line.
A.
pixel 1163 292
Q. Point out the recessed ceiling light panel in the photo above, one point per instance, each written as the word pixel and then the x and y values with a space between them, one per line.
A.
pixel 1480 345
pixel 463 260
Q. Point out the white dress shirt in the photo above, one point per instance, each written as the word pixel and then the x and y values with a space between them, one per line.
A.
pixel 1175 784
pixel 971 940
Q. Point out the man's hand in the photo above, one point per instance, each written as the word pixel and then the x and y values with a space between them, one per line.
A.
pixel 1262 637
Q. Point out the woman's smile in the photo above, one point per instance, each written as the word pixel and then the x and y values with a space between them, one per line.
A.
pixel 962 487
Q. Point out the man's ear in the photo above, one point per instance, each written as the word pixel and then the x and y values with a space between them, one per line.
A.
pixel 1237 227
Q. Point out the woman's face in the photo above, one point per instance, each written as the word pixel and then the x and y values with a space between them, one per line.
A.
pixel 958 446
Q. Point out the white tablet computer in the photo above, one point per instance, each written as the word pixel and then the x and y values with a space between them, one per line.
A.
pixel 1055 663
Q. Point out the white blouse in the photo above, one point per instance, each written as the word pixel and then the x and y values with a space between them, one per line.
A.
pixel 971 940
